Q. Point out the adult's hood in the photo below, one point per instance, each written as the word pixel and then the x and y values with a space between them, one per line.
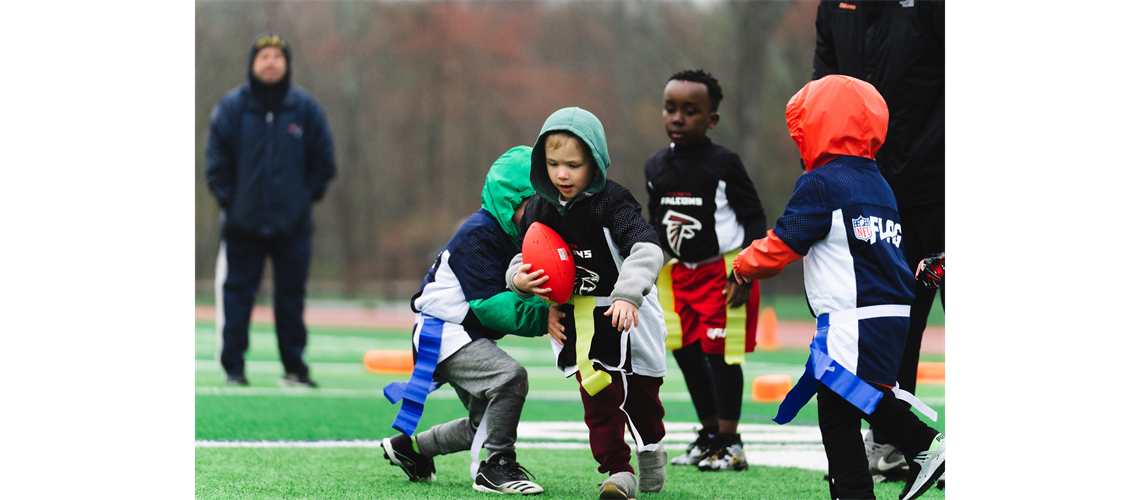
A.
pixel 270 95
pixel 587 127
pixel 837 115
pixel 507 186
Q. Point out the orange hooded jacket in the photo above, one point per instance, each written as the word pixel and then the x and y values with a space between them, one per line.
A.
pixel 834 116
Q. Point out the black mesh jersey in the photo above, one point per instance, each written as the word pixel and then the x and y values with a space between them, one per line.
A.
pixel 702 202
pixel 600 230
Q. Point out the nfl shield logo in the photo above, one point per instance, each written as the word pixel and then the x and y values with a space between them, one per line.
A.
pixel 862 227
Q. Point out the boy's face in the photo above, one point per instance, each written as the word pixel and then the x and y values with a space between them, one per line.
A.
pixel 569 169
pixel 686 113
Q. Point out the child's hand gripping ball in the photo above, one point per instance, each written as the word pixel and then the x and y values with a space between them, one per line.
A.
pixel 544 249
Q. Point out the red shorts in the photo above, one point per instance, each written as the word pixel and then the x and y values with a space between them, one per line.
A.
pixel 700 301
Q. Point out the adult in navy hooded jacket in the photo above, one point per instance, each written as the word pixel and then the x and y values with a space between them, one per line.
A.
pixel 269 157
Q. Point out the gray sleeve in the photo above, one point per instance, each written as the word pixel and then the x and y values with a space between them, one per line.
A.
pixel 513 268
pixel 638 273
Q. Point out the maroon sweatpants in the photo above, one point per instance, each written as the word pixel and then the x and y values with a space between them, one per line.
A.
pixel 629 400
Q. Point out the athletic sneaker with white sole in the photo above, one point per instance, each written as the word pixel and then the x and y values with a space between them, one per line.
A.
pixel 620 486
pixel 885 462
pixel 504 475
pixel 651 469
pixel 729 455
pixel 926 468
pixel 697 450
pixel 295 380
pixel 399 450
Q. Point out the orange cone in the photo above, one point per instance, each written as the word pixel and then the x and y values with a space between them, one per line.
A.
pixel 769 338
pixel 771 388
pixel 931 372
pixel 389 362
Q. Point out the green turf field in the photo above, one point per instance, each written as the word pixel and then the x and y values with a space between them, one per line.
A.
pixel 266 442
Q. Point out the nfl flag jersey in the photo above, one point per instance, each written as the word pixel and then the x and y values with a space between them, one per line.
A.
pixel 843 220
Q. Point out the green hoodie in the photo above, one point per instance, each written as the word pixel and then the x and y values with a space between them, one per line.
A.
pixel 587 127
pixel 507 187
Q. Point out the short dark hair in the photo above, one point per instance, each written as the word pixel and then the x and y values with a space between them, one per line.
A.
pixel 700 76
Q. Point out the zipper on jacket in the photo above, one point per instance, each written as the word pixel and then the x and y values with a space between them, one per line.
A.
pixel 267 179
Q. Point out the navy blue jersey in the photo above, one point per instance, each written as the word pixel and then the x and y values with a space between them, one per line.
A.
pixel 843 219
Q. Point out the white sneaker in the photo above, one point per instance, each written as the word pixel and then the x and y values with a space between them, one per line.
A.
pixel 651 470
pixel 620 486
pixel 928 466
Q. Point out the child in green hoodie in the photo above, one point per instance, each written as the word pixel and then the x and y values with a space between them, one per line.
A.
pixel 611 334
pixel 462 308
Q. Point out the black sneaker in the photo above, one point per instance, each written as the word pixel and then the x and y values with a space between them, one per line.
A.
pixel 504 475
pixel 729 454
pixel 698 450
pixel 295 380
pixel 398 449
pixel 236 380
pixel 926 468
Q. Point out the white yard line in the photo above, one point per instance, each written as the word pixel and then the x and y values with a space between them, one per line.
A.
pixel 773 445
pixel 443 393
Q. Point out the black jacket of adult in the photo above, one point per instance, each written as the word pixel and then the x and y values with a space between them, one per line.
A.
pixel 899 48
pixel 266 168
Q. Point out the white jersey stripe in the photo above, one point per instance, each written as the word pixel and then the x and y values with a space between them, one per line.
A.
pixel 729 231
pixel 829 274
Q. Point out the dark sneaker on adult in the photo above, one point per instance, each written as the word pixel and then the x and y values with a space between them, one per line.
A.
pixel 620 486
pixel 502 474
pixel 399 450
pixel 697 450
pixel 295 380
pixel 885 462
pixel 236 380
pixel 926 468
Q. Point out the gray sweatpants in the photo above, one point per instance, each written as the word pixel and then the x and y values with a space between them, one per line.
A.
pixel 487 380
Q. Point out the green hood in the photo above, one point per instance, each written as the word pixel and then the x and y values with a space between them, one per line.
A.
pixel 587 127
pixel 507 187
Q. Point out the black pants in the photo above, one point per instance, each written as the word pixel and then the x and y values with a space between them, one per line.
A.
pixel 924 233
pixel 244 261
pixel 839 422
pixel 714 386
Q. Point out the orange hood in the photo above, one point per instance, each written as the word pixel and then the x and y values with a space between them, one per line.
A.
pixel 837 115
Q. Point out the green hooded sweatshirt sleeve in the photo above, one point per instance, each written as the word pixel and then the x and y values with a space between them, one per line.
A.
pixel 507 186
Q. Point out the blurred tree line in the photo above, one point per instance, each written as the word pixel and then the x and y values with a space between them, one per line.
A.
pixel 423 96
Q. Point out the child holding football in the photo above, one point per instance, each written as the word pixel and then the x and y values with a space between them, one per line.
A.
pixel 462 307
pixel 843 221
pixel 704 206
pixel 613 325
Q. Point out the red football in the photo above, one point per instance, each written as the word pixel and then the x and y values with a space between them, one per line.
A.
pixel 544 249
